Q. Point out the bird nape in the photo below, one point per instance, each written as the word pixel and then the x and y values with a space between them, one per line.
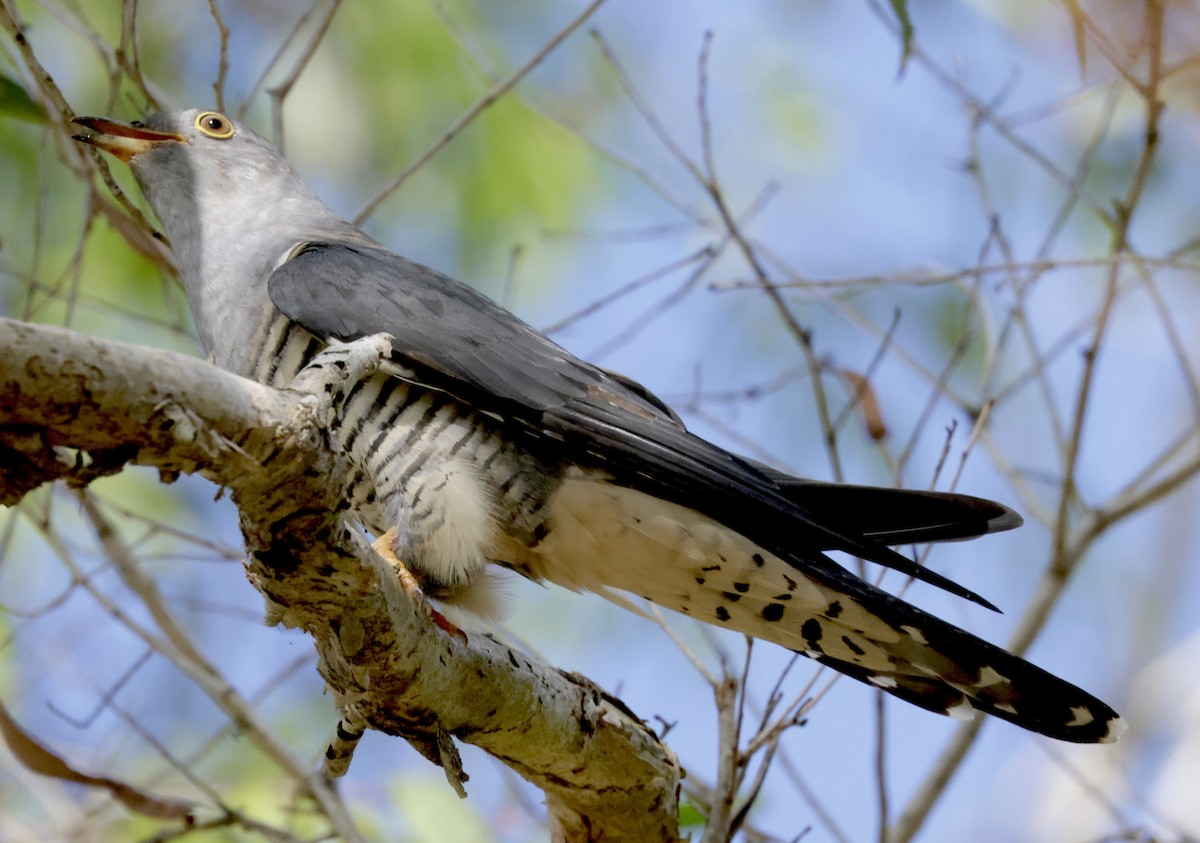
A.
pixel 481 442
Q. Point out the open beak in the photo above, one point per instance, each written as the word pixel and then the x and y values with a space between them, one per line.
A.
pixel 124 140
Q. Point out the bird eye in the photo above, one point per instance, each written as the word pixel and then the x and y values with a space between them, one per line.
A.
pixel 214 125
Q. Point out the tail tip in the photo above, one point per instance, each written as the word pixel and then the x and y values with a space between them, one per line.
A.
pixel 1116 728
pixel 1090 725
pixel 1005 519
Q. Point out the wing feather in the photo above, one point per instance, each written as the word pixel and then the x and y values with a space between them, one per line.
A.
pixel 460 342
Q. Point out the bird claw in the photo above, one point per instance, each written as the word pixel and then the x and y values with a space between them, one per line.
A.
pixel 385 547
pixel 336 368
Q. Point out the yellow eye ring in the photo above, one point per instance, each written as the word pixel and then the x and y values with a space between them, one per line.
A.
pixel 214 125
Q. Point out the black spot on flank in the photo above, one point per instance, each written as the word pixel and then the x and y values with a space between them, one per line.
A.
pixel 833 610
pixel 731 596
pixel 811 632
pixel 687 610
pixel 540 532
pixel 791 583
pixel 773 612
pixel 854 648
pixel 743 587
pixel 722 613
pixel 370 498
pixel 711 568
pixel 758 559
pixel 782 597
pixel 700 581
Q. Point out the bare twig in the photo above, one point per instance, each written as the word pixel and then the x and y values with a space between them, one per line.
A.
pixel 223 56
pixel 487 100
pixel 279 92
pixel 277 57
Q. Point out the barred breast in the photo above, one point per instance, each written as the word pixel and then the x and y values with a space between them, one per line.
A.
pixel 457 492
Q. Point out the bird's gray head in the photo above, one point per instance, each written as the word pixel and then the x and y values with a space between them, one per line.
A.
pixel 231 206
pixel 219 189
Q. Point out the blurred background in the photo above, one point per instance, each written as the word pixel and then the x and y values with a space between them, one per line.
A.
pixel 962 255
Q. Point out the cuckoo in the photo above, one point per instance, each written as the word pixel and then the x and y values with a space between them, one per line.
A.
pixel 482 443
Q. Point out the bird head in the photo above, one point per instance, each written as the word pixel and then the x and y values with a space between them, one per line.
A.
pixel 203 170
pixel 229 202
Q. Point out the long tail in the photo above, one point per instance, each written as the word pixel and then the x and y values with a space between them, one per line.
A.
pixel 611 537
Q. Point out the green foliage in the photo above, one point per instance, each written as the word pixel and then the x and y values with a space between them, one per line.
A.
pixel 17 104
pixel 435 814
pixel 512 173
pixel 690 817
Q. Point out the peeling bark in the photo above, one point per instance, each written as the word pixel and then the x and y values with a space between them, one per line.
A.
pixel 74 408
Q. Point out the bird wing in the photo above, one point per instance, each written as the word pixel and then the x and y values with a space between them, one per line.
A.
pixel 459 341
pixel 895 516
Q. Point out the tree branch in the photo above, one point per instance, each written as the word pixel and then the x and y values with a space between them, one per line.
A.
pixel 76 408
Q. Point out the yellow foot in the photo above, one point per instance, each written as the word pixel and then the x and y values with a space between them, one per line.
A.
pixel 384 546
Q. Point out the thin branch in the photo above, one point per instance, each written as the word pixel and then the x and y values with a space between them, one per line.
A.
pixel 468 116
pixel 881 788
pixel 223 55
pixel 942 277
pixel 277 57
pixel 187 656
pixel 278 93
pixel 608 153
pixel 703 256
pixel 935 783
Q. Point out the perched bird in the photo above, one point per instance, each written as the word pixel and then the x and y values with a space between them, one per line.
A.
pixel 481 441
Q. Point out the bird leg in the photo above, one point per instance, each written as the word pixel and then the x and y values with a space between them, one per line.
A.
pixel 385 546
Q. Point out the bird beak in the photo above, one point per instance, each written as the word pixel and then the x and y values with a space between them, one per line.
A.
pixel 124 140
